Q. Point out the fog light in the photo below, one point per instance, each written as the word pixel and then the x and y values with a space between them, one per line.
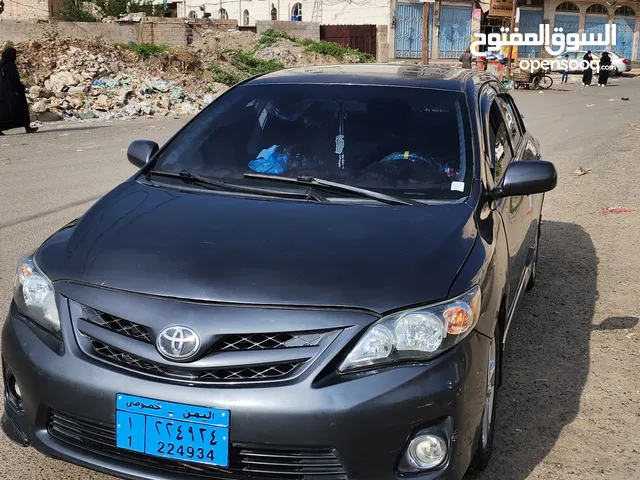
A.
pixel 427 451
pixel 14 388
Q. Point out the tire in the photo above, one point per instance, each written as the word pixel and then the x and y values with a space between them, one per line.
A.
pixel 545 82
pixel 534 265
pixel 535 83
pixel 615 72
pixel 486 431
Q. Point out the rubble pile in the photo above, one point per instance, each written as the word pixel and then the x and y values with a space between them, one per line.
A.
pixel 92 79
pixel 84 79
pixel 213 44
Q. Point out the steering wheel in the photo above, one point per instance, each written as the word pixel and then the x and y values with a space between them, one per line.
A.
pixel 405 157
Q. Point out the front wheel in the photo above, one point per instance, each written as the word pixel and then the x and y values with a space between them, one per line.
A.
pixel 483 451
pixel 615 72
pixel 545 82
pixel 534 261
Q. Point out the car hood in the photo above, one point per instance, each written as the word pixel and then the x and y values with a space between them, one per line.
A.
pixel 209 247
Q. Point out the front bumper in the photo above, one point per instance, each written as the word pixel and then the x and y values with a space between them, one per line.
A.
pixel 365 422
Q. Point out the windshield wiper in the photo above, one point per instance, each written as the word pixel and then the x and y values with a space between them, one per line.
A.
pixel 335 187
pixel 219 184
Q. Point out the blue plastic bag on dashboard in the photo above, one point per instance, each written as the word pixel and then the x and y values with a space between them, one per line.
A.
pixel 270 161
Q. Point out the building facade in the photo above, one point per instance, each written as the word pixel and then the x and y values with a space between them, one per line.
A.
pixel 451 22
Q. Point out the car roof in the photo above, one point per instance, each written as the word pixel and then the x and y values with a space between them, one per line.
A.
pixel 416 76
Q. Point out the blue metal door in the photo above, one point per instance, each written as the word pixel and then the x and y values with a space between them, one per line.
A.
pixel 624 37
pixel 408 30
pixel 455 31
pixel 569 23
pixel 595 25
pixel 530 23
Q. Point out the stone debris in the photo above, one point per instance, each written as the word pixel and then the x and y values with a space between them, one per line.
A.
pixel 84 79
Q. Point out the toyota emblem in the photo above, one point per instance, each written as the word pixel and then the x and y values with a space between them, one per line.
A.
pixel 178 343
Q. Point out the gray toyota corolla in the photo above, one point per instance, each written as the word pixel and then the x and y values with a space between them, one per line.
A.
pixel 312 280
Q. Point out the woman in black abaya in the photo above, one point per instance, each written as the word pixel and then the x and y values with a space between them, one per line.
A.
pixel 14 110
pixel 587 73
pixel 605 65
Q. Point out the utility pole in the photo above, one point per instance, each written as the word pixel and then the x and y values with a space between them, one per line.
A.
pixel 425 33
pixel 514 9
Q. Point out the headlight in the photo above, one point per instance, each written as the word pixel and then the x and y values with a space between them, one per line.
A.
pixel 34 294
pixel 417 334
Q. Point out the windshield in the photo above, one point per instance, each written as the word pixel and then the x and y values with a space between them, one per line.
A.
pixel 409 142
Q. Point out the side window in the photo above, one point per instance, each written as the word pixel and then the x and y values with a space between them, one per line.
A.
pixel 511 116
pixel 509 99
pixel 502 152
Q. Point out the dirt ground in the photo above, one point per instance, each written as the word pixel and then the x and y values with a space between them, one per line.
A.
pixel 569 407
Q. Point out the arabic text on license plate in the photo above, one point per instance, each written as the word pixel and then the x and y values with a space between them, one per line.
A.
pixel 172 430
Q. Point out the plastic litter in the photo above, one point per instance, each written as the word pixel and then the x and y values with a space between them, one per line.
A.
pixel 270 161
pixel 159 85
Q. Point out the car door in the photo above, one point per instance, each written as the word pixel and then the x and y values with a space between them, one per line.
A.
pixel 529 149
pixel 509 145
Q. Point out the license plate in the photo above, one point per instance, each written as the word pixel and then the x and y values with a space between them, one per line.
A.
pixel 181 432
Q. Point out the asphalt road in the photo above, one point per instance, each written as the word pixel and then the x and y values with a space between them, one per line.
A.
pixel 569 406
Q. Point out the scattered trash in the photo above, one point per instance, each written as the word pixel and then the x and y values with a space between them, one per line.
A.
pixel 581 171
pixel 611 100
pixel 591 105
pixel 633 126
pixel 609 210
pixel 626 99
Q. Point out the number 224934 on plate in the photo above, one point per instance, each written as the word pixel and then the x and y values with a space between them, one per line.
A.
pixel 187 441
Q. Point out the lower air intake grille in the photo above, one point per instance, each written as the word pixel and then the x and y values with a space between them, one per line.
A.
pixel 244 463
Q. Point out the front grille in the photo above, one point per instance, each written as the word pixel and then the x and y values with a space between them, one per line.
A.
pixel 228 374
pixel 245 462
pixel 269 341
pixel 117 325
pixel 251 341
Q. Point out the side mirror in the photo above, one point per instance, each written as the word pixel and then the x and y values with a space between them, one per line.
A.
pixel 141 151
pixel 527 177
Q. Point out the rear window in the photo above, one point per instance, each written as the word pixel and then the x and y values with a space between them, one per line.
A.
pixel 408 142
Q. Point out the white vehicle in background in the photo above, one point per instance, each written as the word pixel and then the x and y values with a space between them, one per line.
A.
pixel 619 64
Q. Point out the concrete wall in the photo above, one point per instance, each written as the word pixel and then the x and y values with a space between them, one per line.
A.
pixel 257 9
pixel 159 31
pixel 295 29
pixel 345 12
pixel 374 12
pixel 26 10
pixel 382 44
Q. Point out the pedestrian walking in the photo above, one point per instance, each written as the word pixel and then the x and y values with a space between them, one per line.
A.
pixel 565 72
pixel 465 58
pixel 14 109
pixel 587 73
pixel 605 65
